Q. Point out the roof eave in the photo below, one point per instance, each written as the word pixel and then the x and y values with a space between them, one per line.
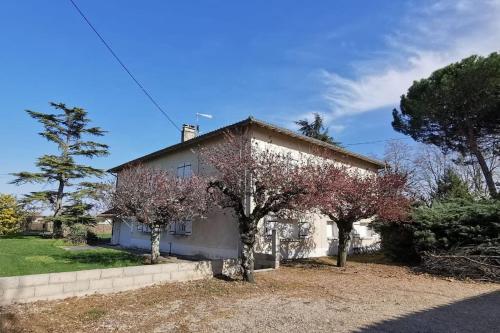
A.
pixel 379 164
pixel 250 120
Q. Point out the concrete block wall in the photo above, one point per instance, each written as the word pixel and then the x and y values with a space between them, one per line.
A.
pixel 263 260
pixel 30 288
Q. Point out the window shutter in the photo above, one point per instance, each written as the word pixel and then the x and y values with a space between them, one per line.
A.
pixel 270 225
pixel 171 228
pixel 329 230
pixel 179 228
pixel 188 228
pixel 180 171
pixel 288 230
pixel 184 170
pixel 187 171
pixel 335 231
pixel 304 229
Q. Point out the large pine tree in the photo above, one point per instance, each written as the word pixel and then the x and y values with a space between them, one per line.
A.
pixel 457 109
pixel 69 130
pixel 316 129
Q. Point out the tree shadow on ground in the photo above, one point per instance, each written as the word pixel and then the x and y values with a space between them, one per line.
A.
pixel 227 278
pixel 107 258
pixel 322 262
pixel 9 322
pixel 331 261
pixel 476 315
pixel 376 258
pixel 17 236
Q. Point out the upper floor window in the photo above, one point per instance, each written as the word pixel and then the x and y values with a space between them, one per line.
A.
pixel 184 170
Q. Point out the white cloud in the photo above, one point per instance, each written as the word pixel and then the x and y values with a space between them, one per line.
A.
pixel 429 37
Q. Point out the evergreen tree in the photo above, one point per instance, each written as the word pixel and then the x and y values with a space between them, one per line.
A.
pixel 451 186
pixel 68 130
pixel 457 109
pixel 315 129
pixel 456 223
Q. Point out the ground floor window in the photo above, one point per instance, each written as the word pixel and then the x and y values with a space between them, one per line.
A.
pixel 143 228
pixel 287 229
pixel 181 228
pixel 304 229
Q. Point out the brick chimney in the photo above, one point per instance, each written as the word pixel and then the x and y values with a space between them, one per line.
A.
pixel 188 132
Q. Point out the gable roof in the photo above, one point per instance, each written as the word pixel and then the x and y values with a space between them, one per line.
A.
pixel 246 122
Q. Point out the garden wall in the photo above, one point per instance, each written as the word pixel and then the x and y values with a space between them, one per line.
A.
pixel 30 288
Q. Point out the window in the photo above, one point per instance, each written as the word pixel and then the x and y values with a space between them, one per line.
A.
pixel 361 231
pixel 181 228
pixel 270 225
pixel 288 230
pixel 184 170
pixel 304 229
pixel 143 228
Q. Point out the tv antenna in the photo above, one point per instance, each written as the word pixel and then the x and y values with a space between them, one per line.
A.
pixel 202 115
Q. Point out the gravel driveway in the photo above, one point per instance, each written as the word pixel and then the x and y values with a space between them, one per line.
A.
pixel 312 297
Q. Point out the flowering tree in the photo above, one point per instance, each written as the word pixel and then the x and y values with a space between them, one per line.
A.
pixel 253 181
pixel 157 198
pixel 346 196
pixel 11 214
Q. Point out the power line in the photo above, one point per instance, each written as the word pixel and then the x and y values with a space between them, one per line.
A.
pixel 123 66
pixel 376 141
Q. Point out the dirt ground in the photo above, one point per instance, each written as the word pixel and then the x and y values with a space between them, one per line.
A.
pixel 310 296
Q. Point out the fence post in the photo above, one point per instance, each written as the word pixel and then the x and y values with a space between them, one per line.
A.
pixel 276 248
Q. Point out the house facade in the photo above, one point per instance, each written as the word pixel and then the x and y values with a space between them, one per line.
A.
pixel 217 236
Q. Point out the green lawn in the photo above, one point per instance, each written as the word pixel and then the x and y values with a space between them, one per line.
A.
pixel 21 255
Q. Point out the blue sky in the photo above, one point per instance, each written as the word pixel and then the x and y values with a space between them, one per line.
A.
pixel 276 60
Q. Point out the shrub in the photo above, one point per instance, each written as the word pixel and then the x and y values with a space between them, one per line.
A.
pixel 77 233
pixel 457 223
pixel 92 236
pixel 397 241
pixel 10 214
pixel 443 227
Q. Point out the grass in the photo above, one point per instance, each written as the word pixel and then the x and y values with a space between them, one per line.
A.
pixel 104 236
pixel 22 255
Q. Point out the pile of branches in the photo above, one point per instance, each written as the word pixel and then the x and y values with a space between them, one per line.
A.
pixel 480 263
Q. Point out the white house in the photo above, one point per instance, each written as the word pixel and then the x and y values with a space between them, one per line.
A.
pixel 217 236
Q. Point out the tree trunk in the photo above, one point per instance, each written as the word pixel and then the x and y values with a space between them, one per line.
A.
pixel 155 244
pixel 247 262
pixel 488 176
pixel 248 230
pixel 57 229
pixel 344 239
